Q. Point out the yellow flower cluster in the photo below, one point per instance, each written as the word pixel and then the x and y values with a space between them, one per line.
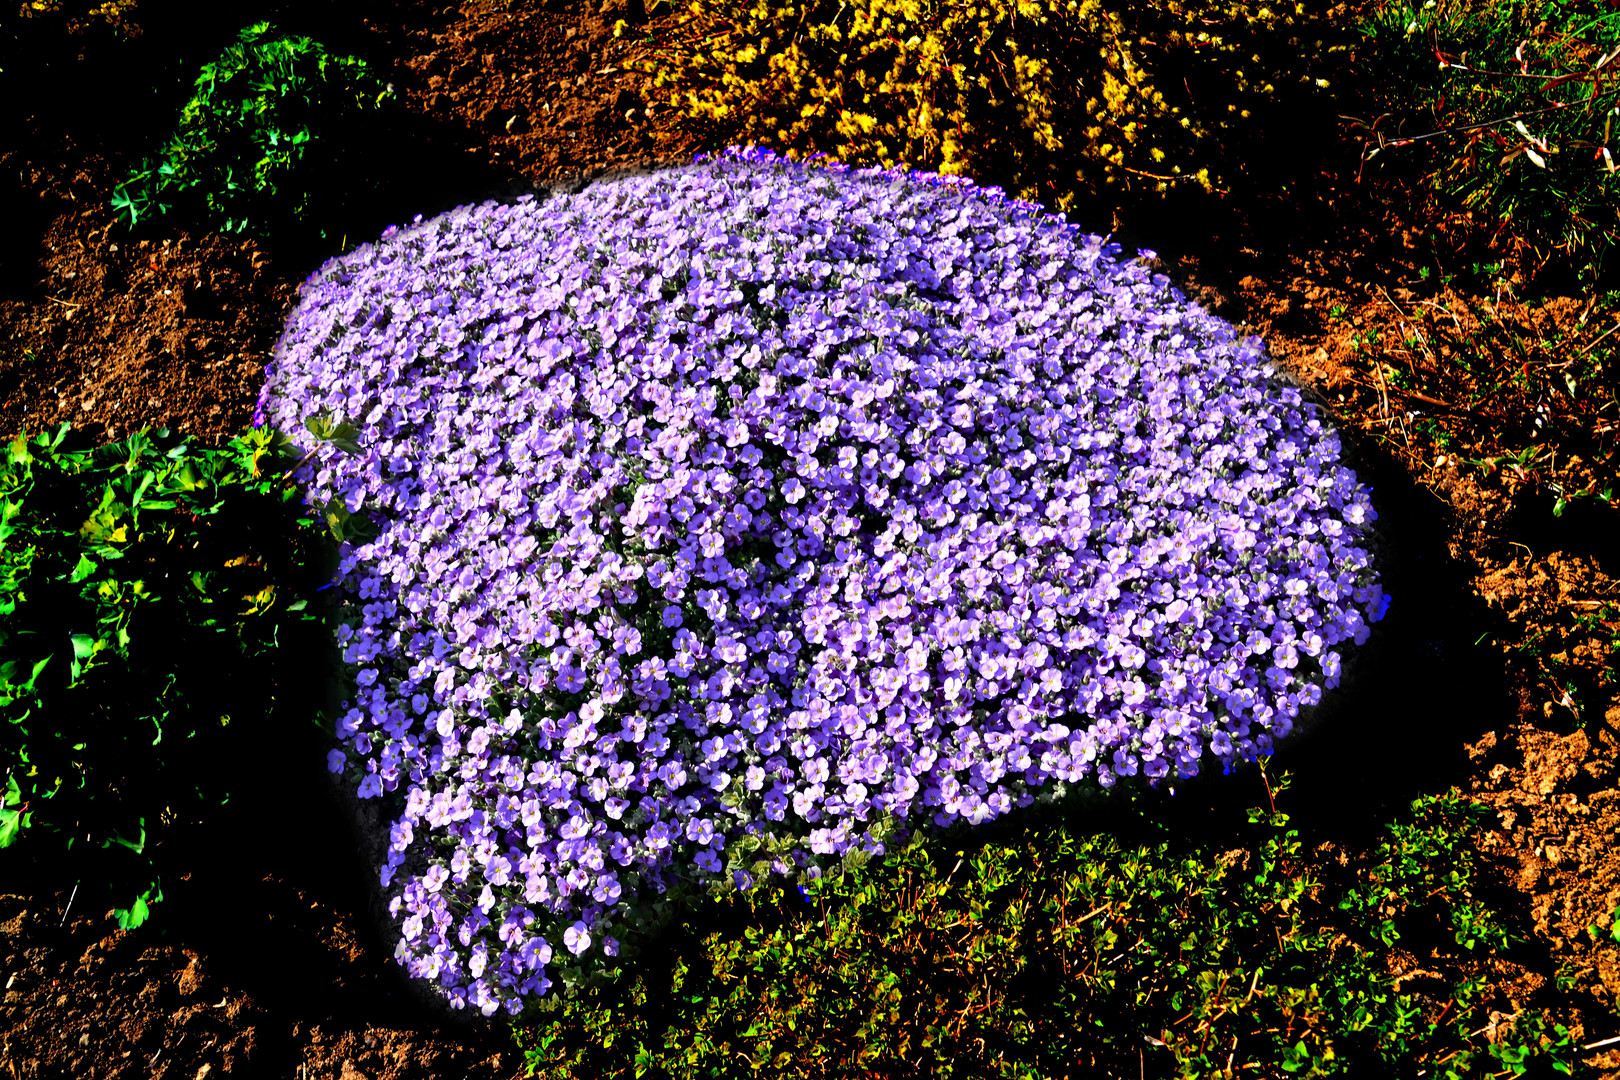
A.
pixel 1046 97
pixel 82 16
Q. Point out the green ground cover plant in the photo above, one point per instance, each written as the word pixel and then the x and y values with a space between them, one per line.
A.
pixel 280 133
pixel 1508 110
pixel 148 588
pixel 1064 952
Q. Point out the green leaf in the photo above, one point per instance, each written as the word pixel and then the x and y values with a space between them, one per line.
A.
pixel 140 909
pixel 8 671
pixel 12 820
pixel 339 434
pixel 11 826
pixel 134 915
pixel 137 846
pixel 346 526
pixel 103 527
pixel 82 569
pixel 84 646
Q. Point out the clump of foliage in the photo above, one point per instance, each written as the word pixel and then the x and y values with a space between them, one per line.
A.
pixel 1047 97
pixel 146 589
pixel 734 520
pixel 1509 108
pixel 277 128
pixel 1067 954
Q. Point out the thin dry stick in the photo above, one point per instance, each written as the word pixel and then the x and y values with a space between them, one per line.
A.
pixel 1593 343
pixel 69 907
pixel 1602 1042
pixel 1383 389
pixel 301 463
pixel 1524 71
pixel 1093 913
pixel 1391 301
pixel 1393 144
pixel 1406 324
pixel 1427 400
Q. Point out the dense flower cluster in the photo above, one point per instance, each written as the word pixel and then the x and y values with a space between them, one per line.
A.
pixel 733 514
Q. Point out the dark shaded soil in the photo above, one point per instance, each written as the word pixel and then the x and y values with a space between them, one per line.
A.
pixel 263 961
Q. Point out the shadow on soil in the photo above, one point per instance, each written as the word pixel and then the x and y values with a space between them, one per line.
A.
pixel 1421 688
pixel 281 897
pixel 279 902
pixel 1585 527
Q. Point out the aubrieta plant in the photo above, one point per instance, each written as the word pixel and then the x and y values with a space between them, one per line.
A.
pixel 748 515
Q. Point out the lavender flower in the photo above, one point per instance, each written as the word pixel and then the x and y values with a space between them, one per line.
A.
pixel 738 517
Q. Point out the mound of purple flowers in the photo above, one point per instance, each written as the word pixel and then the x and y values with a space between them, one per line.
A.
pixel 733 517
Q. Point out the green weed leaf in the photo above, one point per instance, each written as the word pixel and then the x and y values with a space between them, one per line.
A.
pixel 340 434
pixel 139 910
pixel 13 816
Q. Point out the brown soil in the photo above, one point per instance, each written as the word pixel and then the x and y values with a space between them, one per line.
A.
pixel 269 967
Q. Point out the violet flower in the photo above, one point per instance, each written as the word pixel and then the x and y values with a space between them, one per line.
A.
pixel 743 515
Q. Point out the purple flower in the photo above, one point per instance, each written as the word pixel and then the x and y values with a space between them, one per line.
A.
pixel 534 954
pixel 846 542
